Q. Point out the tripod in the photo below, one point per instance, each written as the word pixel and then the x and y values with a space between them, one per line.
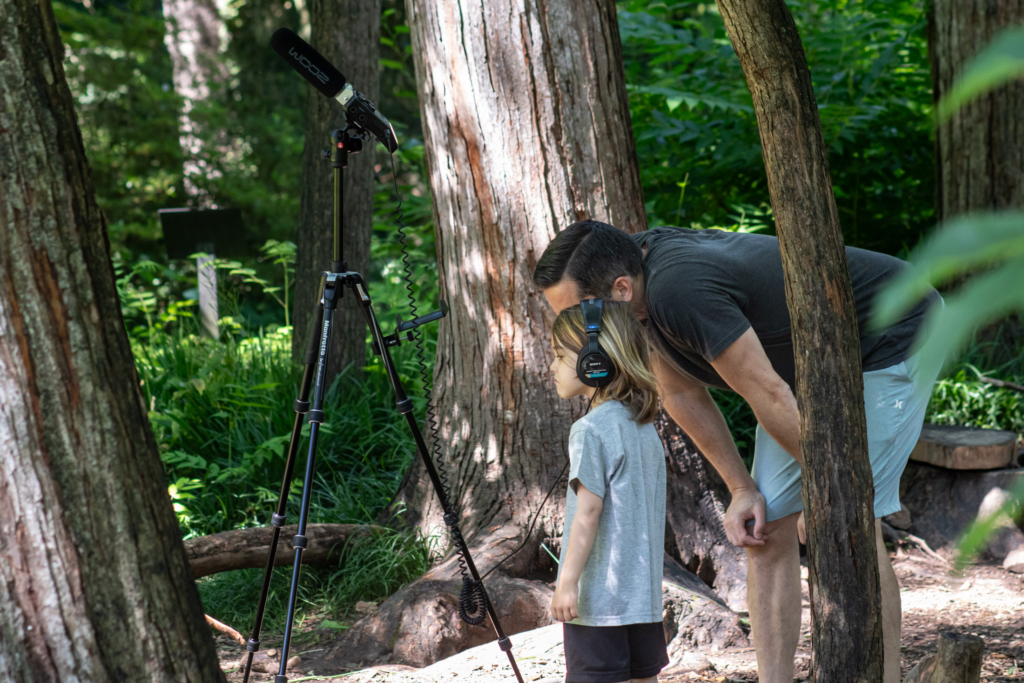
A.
pixel 332 284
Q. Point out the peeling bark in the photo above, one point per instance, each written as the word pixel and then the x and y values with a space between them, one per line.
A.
pixel 527 130
pixel 837 482
pixel 95 584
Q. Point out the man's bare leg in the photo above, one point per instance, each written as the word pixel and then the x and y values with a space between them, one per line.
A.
pixel 773 597
pixel 892 609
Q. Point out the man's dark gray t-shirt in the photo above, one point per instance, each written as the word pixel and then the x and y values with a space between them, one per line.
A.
pixel 705 288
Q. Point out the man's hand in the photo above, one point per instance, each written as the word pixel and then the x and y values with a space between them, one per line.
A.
pixel 564 601
pixel 747 504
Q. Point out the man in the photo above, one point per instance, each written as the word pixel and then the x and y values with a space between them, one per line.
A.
pixel 715 307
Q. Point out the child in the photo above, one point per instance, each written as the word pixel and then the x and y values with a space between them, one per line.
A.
pixel 608 591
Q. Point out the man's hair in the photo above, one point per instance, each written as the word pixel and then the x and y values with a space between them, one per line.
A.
pixel 593 255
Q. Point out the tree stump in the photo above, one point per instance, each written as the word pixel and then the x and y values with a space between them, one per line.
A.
pixel 958 660
pixel 965 448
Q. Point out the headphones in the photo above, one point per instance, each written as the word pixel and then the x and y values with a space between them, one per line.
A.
pixel 594 367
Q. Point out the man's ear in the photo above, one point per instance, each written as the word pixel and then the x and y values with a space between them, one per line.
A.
pixel 622 289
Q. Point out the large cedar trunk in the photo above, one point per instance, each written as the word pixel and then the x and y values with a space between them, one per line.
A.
pixel 193 29
pixel 348 35
pixel 95 583
pixel 527 130
pixel 979 150
pixel 838 490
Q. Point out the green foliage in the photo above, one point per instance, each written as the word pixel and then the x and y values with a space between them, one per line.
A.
pixel 693 119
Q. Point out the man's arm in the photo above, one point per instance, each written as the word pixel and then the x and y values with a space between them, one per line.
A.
pixel 693 409
pixel 581 540
pixel 745 367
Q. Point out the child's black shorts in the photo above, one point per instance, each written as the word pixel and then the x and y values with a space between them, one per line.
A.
pixel 610 654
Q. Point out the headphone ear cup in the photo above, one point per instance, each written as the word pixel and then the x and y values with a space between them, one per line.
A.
pixel 594 368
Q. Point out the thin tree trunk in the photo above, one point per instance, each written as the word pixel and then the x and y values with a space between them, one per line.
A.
pixel 838 490
pixel 192 37
pixel 348 35
pixel 95 582
pixel 979 150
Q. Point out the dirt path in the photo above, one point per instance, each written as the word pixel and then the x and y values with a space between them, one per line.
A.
pixel 987 601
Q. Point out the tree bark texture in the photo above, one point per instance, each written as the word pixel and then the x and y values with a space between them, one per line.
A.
pixel 979 150
pixel 347 33
pixel 95 584
pixel 527 130
pixel 696 500
pixel 193 33
pixel 958 660
pixel 837 483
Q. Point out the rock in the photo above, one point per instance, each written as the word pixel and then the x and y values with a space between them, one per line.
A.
pixel 271 652
pixel 899 520
pixel 693 661
pixel 293 662
pixel 693 619
pixel 1015 561
pixel 965 448
pixel 942 502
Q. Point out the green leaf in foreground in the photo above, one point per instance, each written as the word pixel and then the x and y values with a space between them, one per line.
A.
pixel 1002 61
pixel 957 246
pixel 981 300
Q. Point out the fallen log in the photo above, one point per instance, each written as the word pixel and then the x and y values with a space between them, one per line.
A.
pixel 248 548
pixel 958 660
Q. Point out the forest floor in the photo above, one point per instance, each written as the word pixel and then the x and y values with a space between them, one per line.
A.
pixel 987 601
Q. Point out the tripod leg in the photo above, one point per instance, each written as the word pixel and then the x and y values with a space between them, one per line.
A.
pixel 315 418
pixel 405 407
pixel 278 519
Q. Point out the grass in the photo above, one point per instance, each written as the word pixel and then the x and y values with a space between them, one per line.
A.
pixel 222 415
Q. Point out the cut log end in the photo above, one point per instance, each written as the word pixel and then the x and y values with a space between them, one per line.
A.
pixel 958 660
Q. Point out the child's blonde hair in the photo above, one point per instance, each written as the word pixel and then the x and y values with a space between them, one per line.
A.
pixel 625 342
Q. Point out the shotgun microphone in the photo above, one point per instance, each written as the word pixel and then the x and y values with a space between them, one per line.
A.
pixel 323 76
pixel 310 64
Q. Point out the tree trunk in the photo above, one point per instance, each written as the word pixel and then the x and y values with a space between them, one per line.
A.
pixel 696 502
pixel 527 130
pixel 348 35
pixel 979 150
pixel 95 582
pixel 193 29
pixel 837 483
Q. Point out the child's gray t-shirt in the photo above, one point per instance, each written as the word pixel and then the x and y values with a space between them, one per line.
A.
pixel 624 463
